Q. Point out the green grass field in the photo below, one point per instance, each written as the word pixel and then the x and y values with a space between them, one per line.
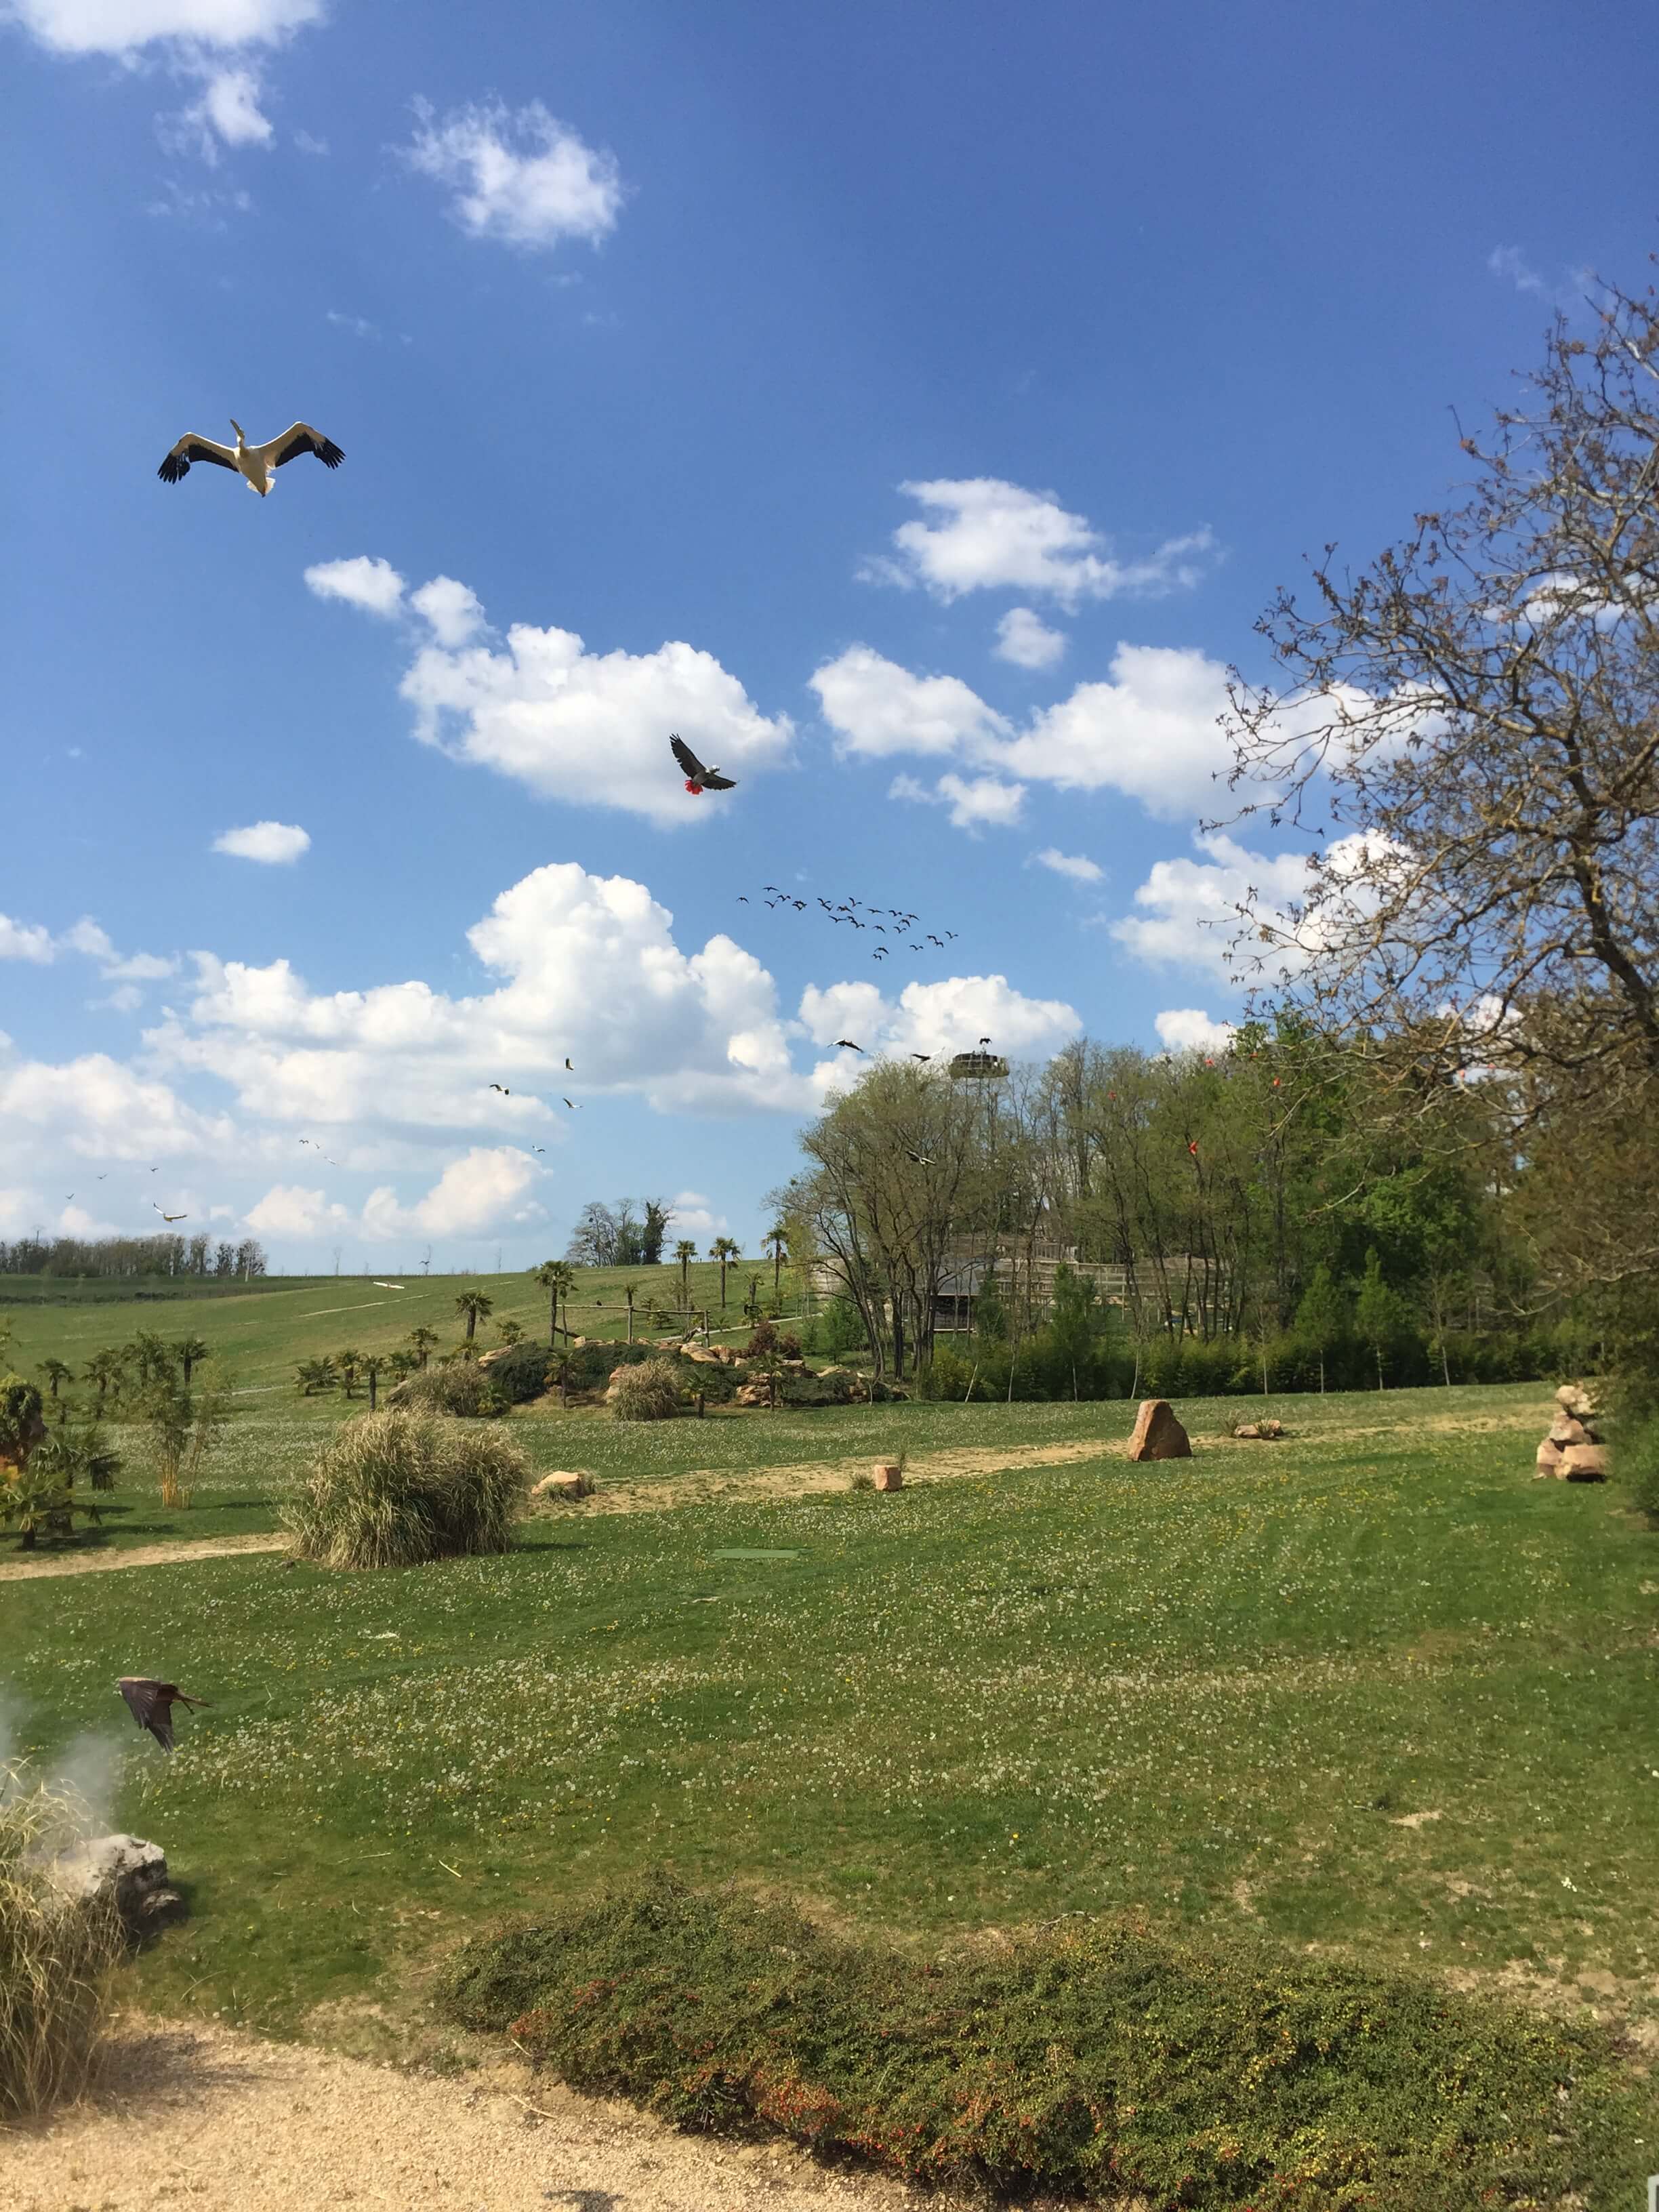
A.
pixel 1370 1691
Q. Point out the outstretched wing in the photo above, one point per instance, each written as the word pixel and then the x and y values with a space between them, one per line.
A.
pixel 299 438
pixel 716 782
pixel 148 1703
pixel 190 448
pixel 688 760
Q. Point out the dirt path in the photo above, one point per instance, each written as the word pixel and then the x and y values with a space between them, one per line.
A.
pixel 213 2116
pixel 137 1555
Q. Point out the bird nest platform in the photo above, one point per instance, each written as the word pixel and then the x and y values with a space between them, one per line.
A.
pixel 977 1066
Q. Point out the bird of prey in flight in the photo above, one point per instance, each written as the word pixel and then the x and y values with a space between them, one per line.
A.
pixel 698 779
pixel 921 1055
pixel 151 1705
pixel 503 1088
pixel 847 1044
pixel 257 465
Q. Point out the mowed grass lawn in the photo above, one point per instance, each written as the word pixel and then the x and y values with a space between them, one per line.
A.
pixel 1372 1690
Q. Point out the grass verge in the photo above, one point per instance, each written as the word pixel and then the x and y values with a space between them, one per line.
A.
pixel 1097 2058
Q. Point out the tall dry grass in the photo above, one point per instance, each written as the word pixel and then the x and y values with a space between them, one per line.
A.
pixel 397 1488
pixel 649 1391
pixel 57 1955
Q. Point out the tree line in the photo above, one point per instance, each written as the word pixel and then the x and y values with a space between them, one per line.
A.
pixel 117 1256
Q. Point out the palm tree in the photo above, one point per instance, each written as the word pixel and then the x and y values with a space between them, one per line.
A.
pixel 510 1332
pixel 373 1363
pixel 105 1368
pixel 56 1373
pixel 685 1252
pixel 557 1279
pixel 725 1250
pixel 474 1306
pixel 628 1291
pixel 777 1236
pixel 422 1340
pixel 347 1365
pixel 188 1351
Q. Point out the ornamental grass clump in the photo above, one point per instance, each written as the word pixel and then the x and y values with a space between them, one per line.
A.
pixel 58 1954
pixel 461 1389
pixel 398 1488
pixel 647 1392
pixel 1097 2060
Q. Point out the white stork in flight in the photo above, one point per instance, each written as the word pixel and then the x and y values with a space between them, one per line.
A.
pixel 256 464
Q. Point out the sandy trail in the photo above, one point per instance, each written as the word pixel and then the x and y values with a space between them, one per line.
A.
pixel 137 1555
pixel 216 2117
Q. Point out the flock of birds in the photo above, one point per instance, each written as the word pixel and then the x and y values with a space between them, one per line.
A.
pixel 845 912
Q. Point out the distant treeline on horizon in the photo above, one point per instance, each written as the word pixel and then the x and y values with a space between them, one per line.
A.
pixel 202 1256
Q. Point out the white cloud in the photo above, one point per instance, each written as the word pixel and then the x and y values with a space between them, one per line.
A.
pixel 1186 1029
pixel 991 533
pixel 363 582
pixel 288 1210
pixel 479 1191
pixel 1151 732
pixel 25 940
pixel 1190 914
pixel 938 1018
pixel 123 26
pixel 360 327
pixel 273 842
pixel 691 1215
pixel 1025 639
pixel 452 610
pixel 1509 262
pixel 877 707
pixel 973 804
pixel 590 728
pixel 229 110
pixel 1080 870
pixel 520 177
pixel 95 1108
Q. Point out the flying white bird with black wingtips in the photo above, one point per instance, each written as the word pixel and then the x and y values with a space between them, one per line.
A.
pixel 257 465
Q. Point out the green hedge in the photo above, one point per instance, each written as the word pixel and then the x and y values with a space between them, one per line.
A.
pixel 1097 2059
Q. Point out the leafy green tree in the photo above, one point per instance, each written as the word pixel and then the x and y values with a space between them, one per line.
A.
pixel 1321 1318
pixel 654 1230
pixel 57 1373
pixel 1379 1315
pixel 182 1427
pixel 474 1306
pixel 188 1351
pixel 726 1250
pixel 684 1253
pixel 422 1343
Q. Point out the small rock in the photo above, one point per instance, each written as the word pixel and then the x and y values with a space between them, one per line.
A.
pixel 1158 1434
pixel 888 1474
pixel 1250 1430
pixel 126 1868
pixel 563 1483
pixel 1565 1429
pixel 1584 1463
pixel 1549 1460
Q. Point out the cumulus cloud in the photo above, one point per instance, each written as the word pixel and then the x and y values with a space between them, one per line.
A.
pixel 1151 731
pixel 362 581
pixel 988 533
pixel 273 842
pixel 877 707
pixel 1025 639
pixel 25 940
pixel 451 609
pixel 1190 909
pixel 483 1190
pixel 520 177
pixel 288 1210
pixel 124 26
pixel 227 113
pixel 692 1216
pixel 95 1106
pixel 1186 1029
pixel 1081 871
pixel 938 1018
pixel 974 804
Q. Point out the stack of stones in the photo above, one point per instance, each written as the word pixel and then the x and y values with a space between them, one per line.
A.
pixel 1573 1450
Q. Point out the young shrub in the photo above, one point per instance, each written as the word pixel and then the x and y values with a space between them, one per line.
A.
pixel 57 1956
pixel 647 1392
pixel 398 1488
pixel 1636 1465
pixel 460 1389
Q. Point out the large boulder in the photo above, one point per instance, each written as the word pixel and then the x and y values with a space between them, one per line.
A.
pixel 1549 1460
pixel 1574 1399
pixel 1158 1434
pixel 1583 1463
pixel 125 1869
pixel 1566 1430
pixel 561 1484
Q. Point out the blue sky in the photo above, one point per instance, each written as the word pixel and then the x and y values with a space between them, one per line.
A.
pixel 914 406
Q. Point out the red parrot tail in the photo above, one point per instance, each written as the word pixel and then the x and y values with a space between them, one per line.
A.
pixel 695 789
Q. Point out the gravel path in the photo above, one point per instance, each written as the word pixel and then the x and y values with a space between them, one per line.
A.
pixel 213 2117
pixel 137 1555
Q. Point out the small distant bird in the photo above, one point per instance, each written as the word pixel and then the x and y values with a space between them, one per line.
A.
pixel 538 1148
pixel 67 1194
pixel 503 1088
pixel 743 898
pixel 572 1104
pixel 569 1068
pixel 151 1705
pixel 880 952
pixel 921 1055
pixel 766 887
pixel 102 1177
pixel 985 1040
pixel 168 1217
pixel 380 1286
pixel 801 906
pixel 699 778
pixel 949 932
pixel 257 465
pixel 845 1044
pixel 921 1159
